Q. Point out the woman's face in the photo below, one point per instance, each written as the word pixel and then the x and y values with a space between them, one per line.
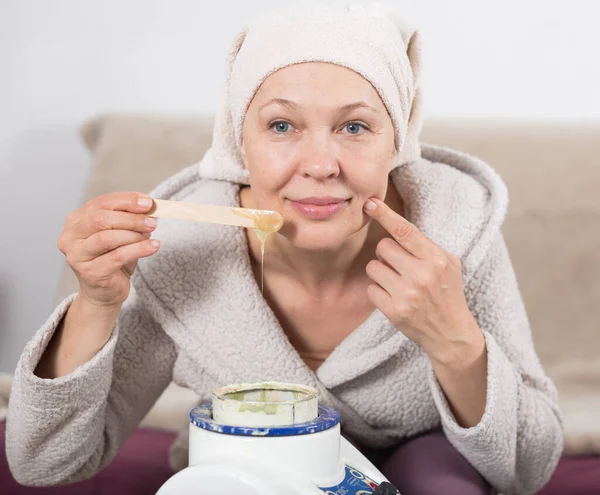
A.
pixel 318 142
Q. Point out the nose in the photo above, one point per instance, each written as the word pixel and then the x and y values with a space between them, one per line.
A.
pixel 322 169
pixel 320 160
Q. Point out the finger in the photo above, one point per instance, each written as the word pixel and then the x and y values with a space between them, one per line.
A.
pixel 395 256
pixel 107 240
pixel 114 260
pixel 402 231
pixel 133 202
pixel 388 279
pixel 380 298
pixel 99 220
pixel 129 268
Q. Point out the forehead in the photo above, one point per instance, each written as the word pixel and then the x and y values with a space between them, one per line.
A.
pixel 317 79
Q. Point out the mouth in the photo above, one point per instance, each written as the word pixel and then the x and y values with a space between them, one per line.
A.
pixel 319 208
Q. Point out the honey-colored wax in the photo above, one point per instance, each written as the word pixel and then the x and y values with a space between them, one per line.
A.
pixel 266 223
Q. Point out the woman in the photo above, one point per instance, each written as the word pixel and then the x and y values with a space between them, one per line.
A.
pixel 389 287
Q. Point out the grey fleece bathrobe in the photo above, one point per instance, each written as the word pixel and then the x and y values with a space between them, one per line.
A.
pixel 197 316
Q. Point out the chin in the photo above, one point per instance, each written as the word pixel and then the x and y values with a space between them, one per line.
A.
pixel 322 236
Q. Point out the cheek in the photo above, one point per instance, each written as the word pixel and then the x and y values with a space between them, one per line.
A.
pixel 367 171
pixel 270 167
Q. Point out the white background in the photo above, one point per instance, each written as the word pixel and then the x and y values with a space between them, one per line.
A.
pixel 63 61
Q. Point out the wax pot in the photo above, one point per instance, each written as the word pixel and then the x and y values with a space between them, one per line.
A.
pixel 272 439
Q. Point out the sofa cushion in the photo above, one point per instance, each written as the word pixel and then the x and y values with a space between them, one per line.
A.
pixel 557 259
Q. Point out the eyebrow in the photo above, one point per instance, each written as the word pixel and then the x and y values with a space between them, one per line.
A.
pixel 292 105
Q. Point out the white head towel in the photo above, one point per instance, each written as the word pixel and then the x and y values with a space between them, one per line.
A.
pixel 372 40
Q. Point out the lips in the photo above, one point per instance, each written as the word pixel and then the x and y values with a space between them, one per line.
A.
pixel 319 208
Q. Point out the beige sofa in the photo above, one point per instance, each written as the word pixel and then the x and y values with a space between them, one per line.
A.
pixel 553 233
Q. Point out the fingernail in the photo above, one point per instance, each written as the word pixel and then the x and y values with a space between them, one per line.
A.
pixel 150 222
pixel 370 205
pixel 155 243
pixel 145 202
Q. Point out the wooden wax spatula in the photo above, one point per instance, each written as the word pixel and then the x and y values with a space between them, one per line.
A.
pixel 264 220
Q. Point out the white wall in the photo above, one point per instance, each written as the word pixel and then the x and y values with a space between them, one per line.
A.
pixel 63 61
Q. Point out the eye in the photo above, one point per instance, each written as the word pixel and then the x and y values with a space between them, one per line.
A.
pixel 355 128
pixel 280 127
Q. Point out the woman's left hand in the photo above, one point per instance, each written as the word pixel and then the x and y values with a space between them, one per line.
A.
pixel 419 287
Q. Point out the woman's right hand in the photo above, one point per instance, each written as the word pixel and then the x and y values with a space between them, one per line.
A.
pixel 103 241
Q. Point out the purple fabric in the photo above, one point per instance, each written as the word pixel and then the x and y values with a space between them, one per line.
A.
pixel 430 465
pixel 575 476
pixel 140 468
